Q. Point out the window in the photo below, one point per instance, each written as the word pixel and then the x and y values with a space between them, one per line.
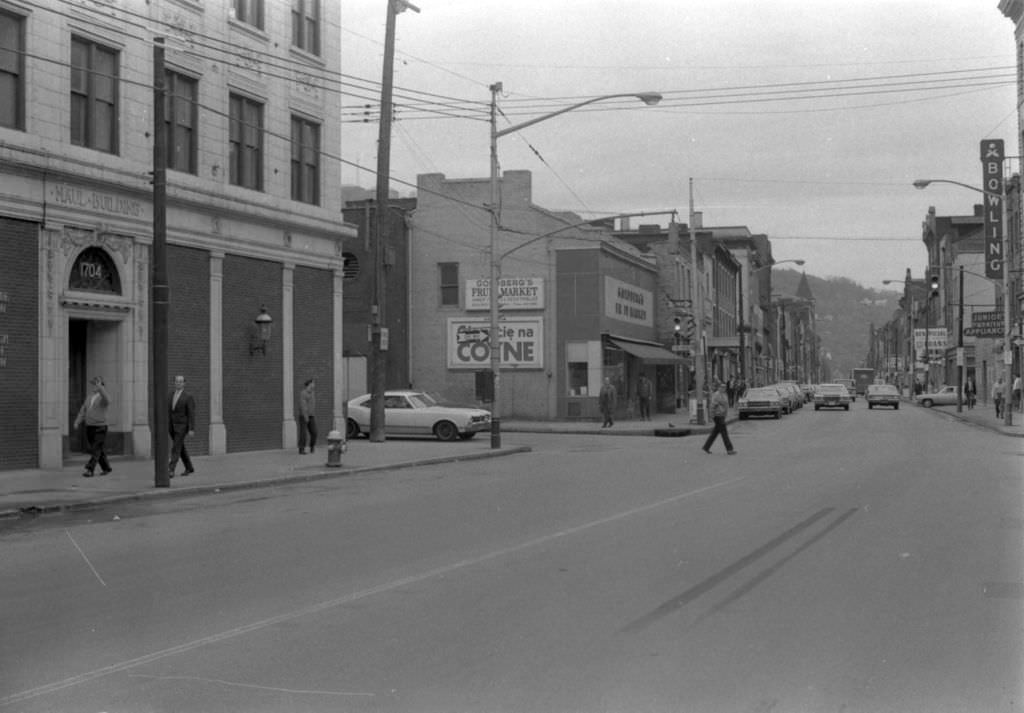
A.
pixel 12 71
pixel 180 120
pixel 93 95
pixel 305 161
pixel 306 25
pixel 449 283
pixel 249 11
pixel 246 143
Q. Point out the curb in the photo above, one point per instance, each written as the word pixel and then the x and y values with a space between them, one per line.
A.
pixel 321 473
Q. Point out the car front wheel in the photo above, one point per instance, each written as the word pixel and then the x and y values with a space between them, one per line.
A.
pixel 351 429
pixel 927 403
pixel 446 431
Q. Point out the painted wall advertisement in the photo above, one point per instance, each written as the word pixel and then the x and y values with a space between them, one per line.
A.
pixel 521 343
pixel 935 339
pixel 628 303
pixel 513 293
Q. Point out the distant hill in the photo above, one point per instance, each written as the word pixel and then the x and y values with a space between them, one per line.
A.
pixel 845 313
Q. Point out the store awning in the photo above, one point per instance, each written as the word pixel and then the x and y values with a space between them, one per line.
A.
pixel 648 352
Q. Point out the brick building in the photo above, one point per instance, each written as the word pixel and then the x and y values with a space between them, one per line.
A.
pixel 253 218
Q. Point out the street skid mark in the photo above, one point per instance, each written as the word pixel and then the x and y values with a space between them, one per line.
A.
pixel 693 593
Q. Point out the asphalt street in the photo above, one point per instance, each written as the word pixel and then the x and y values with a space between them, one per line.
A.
pixel 854 561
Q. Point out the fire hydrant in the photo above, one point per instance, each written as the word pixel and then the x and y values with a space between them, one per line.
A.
pixel 335 447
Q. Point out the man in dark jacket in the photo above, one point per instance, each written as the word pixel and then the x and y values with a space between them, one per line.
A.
pixel 182 423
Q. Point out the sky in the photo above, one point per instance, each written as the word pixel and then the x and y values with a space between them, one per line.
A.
pixel 805 120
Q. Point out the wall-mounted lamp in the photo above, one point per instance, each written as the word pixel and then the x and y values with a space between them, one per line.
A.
pixel 261 335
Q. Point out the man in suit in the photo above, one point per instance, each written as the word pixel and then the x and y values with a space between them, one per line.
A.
pixel 182 423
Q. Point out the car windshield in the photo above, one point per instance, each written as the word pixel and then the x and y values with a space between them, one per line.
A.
pixel 422 400
pixel 762 393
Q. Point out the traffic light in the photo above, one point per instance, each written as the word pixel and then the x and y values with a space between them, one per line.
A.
pixel 934 282
pixel 678 326
pixel 683 325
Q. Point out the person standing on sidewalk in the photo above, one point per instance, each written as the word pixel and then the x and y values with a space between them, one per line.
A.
pixel 307 417
pixel 1015 389
pixel 94 415
pixel 719 410
pixel 997 396
pixel 606 400
pixel 644 392
pixel 182 423
pixel 970 392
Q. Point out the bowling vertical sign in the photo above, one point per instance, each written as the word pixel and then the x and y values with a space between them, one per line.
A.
pixel 992 155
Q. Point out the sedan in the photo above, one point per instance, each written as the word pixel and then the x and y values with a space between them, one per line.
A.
pixel 416 413
pixel 882 395
pixel 760 401
pixel 945 396
pixel 831 396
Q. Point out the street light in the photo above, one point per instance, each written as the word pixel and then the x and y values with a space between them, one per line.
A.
pixel 1007 342
pixel 648 98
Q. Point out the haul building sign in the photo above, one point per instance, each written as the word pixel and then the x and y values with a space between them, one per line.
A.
pixel 521 343
pixel 513 293
pixel 628 303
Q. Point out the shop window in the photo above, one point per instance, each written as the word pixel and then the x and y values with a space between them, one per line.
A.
pixel 306 25
pixel 180 118
pixel 246 142
pixel 578 377
pixel 305 160
pixel 94 95
pixel 449 283
pixel 12 71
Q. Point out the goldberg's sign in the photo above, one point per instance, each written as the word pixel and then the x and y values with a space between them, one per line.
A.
pixel 521 343
pixel 628 303
pixel 513 293
pixel 992 181
pixel 935 339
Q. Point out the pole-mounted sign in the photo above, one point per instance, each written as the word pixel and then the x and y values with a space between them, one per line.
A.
pixel 992 154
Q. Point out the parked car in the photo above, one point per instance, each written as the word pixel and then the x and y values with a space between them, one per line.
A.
pixel 760 401
pixel 793 393
pixel 832 396
pixel 943 397
pixel 850 387
pixel 808 390
pixel 416 413
pixel 882 395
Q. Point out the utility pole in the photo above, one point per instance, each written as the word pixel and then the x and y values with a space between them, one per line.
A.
pixel 960 346
pixel 159 289
pixel 379 330
pixel 698 312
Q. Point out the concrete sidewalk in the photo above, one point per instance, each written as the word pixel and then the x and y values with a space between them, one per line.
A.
pixel 40 491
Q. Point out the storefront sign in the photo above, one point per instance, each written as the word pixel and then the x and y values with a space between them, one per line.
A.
pixel 514 293
pixel 69 196
pixel 628 303
pixel 521 343
pixel 985 324
pixel 992 181
pixel 934 339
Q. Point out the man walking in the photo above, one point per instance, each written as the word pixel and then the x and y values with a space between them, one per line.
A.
pixel 307 418
pixel 644 391
pixel 998 391
pixel 94 415
pixel 719 410
pixel 182 423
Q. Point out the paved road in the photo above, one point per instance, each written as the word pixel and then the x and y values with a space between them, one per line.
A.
pixel 859 561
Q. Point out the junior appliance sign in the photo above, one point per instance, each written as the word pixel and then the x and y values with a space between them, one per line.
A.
pixel 521 343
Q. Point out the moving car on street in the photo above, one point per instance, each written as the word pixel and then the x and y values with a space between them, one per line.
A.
pixel 760 401
pixel 945 396
pixel 882 395
pixel 850 387
pixel 831 396
pixel 417 413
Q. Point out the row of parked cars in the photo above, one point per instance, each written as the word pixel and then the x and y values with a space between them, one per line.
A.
pixel 778 399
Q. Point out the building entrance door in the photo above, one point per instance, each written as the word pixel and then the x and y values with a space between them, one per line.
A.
pixel 78 380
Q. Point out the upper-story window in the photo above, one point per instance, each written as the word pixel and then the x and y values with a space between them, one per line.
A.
pixel 180 117
pixel 12 71
pixel 94 96
pixel 249 11
pixel 306 25
pixel 305 160
pixel 246 142
pixel 449 283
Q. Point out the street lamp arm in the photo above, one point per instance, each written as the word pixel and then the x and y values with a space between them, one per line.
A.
pixel 925 182
pixel 580 225
pixel 648 98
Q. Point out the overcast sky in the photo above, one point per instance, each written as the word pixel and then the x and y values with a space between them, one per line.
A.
pixel 806 120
